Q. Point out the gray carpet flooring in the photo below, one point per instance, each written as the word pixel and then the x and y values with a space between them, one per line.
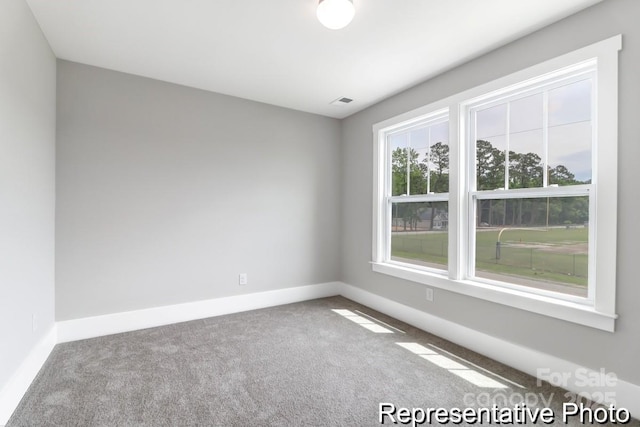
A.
pixel 294 365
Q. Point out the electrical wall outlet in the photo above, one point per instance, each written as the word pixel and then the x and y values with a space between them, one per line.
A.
pixel 242 279
pixel 429 294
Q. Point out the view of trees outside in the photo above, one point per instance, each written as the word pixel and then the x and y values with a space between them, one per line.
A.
pixel 420 160
pixel 419 166
pixel 541 242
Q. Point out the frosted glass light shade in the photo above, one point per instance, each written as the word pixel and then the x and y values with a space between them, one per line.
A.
pixel 335 14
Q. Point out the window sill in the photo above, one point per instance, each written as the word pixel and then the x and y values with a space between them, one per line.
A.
pixel 559 309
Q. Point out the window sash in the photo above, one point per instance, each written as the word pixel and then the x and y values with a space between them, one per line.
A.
pixel 524 194
pixel 584 71
pixel 388 226
pixel 424 122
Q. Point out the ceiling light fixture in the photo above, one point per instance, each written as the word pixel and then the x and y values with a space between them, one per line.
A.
pixel 335 14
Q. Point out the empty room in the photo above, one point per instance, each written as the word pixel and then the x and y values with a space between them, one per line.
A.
pixel 319 212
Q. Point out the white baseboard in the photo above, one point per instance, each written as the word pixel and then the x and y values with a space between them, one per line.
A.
pixel 91 327
pixel 624 394
pixel 14 390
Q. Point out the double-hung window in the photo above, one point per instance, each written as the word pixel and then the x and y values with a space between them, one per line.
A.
pixel 508 191
pixel 416 192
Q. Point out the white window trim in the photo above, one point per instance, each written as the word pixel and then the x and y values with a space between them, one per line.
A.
pixel 601 313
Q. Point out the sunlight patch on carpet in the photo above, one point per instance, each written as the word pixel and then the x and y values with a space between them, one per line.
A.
pixel 365 323
pixel 456 368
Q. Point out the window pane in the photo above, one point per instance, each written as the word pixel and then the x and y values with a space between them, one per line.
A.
pixel 525 116
pixel 526 146
pixel 491 146
pixel 405 162
pixel 540 243
pixel 398 145
pixel 570 134
pixel 437 163
pixel 570 103
pixel 525 168
pixel 419 142
pixel 419 233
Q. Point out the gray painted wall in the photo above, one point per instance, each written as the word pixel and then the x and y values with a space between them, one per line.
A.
pixel 618 352
pixel 165 194
pixel 27 186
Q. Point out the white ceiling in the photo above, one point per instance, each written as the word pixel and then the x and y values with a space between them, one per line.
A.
pixel 276 51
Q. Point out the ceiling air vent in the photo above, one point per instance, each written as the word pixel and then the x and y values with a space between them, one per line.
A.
pixel 341 101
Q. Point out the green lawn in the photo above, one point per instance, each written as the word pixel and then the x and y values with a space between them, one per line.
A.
pixel 555 255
